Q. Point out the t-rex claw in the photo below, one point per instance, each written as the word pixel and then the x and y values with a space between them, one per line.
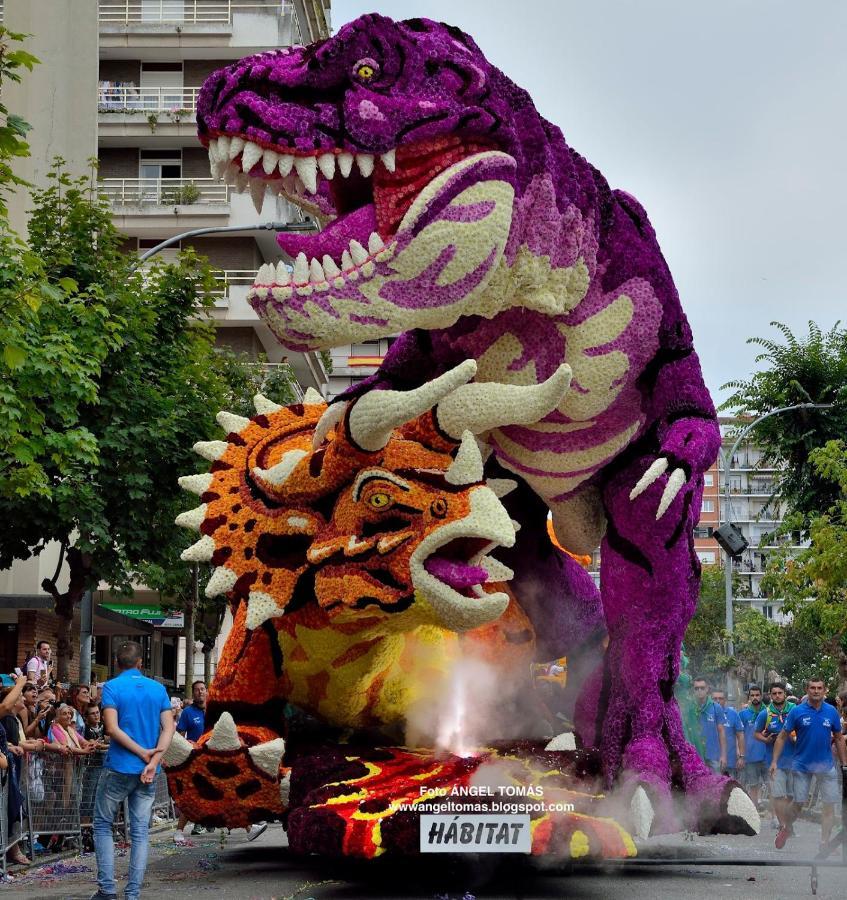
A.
pixel 641 813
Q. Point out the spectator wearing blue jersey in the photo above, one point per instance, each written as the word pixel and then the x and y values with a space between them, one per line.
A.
pixel 769 726
pixel 817 726
pixel 710 718
pixel 755 770
pixel 192 721
pixel 733 735
pixel 137 717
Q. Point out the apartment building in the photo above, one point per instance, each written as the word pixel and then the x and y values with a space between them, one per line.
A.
pixel 119 80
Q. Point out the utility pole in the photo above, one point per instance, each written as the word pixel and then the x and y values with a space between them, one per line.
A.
pixel 188 620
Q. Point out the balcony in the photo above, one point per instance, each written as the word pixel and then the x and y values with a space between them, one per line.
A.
pixel 129 115
pixel 232 287
pixel 166 206
pixel 178 28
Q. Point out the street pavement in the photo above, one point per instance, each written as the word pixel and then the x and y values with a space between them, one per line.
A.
pixel 219 865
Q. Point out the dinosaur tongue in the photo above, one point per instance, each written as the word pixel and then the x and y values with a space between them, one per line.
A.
pixel 335 238
pixel 456 574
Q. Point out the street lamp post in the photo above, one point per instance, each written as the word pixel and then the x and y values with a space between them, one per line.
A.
pixel 727 516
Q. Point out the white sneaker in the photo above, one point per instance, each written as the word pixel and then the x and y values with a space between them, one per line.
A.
pixel 179 838
pixel 256 830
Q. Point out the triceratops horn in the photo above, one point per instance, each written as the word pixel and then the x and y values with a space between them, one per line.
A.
pixel 466 468
pixel 484 405
pixel 375 415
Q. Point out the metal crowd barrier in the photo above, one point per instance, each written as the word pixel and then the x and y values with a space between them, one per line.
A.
pixel 52 788
pixel 4 820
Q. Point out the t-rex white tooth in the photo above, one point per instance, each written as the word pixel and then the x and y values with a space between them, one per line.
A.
pixel 326 163
pixel 563 741
pixel 250 155
pixel 307 170
pixel 260 608
pixel 301 269
pixel 178 752
pixel 365 162
pixel 231 173
pixel 224 734
pixel 265 275
pixel 242 182
pixel 268 756
pixel 257 193
pixel 388 160
pixel 278 474
pixel 213 156
pixel 231 422
pixel 192 518
pixel 657 468
pixel 236 145
pixel 501 486
pixel 197 484
pixel 497 571
pixel 312 396
pixel 672 488
pixel 375 244
pixel 331 270
pixel 270 158
pixel 283 276
pixel 222 582
pixel 219 168
pixel 466 468
pixel 223 147
pixel 347 261
pixel 202 551
pixel 345 163
pixel 264 406
pixel 358 252
pixel 286 161
pixel 316 272
pixel 210 450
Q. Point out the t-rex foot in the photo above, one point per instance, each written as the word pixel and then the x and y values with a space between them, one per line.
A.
pixel 231 777
pixel 644 785
pixel 716 804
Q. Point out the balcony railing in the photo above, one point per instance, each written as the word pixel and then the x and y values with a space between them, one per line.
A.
pixel 164 191
pixel 176 104
pixel 227 278
pixel 190 12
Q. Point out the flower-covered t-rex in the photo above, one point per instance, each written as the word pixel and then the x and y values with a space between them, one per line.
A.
pixel 359 579
pixel 452 212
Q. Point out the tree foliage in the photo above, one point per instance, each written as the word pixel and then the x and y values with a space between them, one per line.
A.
pixel 13 129
pixel 810 369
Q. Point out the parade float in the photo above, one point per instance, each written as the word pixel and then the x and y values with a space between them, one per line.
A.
pixel 380 661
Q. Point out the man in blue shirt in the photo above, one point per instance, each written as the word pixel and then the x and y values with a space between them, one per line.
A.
pixel 710 718
pixel 137 717
pixel 192 721
pixel 769 726
pixel 818 727
pixel 755 771
pixel 733 734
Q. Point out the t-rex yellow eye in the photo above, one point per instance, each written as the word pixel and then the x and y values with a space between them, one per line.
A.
pixel 379 501
pixel 366 69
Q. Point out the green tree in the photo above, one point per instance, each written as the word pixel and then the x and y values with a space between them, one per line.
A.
pixel 13 129
pixel 93 463
pixel 812 369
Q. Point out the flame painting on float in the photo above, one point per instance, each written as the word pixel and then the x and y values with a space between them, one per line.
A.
pixel 545 368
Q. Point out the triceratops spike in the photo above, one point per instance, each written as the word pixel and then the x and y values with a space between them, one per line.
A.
pixel 211 450
pixel 279 473
pixel 331 417
pixel 178 752
pixel 202 551
pixel 231 422
pixel 482 406
pixel 264 406
pixel 260 608
pixel 197 484
pixel 312 396
pixel 502 487
pixel 192 518
pixel 224 734
pixel 222 582
pixel 466 468
pixel 374 415
pixel 268 756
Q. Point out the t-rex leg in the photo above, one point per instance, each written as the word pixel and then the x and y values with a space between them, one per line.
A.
pixel 649 584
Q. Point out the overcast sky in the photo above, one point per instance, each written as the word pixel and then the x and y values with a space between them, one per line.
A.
pixel 726 118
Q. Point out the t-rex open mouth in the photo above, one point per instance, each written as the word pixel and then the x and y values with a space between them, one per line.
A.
pixel 360 198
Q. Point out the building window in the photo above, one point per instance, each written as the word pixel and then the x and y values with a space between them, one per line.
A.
pixel 708 506
pixel 767 611
pixel 709 479
pixel 707 557
pixel 703 532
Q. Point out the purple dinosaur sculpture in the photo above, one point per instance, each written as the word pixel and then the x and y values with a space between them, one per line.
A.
pixel 454 213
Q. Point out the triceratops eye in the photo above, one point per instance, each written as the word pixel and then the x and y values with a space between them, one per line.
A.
pixel 366 69
pixel 379 501
pixel 438 508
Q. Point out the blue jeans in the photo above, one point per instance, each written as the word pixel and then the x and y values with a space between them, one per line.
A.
pixel 112 789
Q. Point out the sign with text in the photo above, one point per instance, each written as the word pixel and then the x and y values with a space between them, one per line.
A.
pixel 475 834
